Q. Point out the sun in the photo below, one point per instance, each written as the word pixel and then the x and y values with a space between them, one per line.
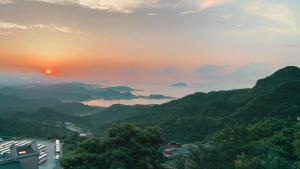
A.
pixel 48 72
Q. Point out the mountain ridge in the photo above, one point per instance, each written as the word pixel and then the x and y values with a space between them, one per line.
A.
pixel 284 75
pixel 205 113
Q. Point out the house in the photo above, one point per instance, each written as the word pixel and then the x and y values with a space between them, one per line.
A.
pixel 175 151
pixel 19 155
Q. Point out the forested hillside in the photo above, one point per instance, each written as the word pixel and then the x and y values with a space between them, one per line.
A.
pixel 197 116
pixel 24 128
pixel 253 128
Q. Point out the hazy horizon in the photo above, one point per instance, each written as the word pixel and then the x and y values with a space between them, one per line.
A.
pixel 207 44
pixel 150 84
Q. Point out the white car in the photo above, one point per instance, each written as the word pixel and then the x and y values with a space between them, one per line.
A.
pixel 1 139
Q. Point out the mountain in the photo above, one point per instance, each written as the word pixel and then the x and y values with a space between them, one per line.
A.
pixel 11 127
pixel 157 97
pixel 74 108
pixel 282 76
pixel 49 116
pixel 112 114
pixel 44 115
pixel 123 89
pixel 69 92
pixel 180 84
pixel 62 91
pixel 192 118
pixel 235 128
pixel 10 104
pixel 200 115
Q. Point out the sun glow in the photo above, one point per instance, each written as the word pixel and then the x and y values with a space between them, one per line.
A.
pixel 48 72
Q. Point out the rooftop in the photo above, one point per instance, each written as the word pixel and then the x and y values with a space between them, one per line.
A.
pixel 23 147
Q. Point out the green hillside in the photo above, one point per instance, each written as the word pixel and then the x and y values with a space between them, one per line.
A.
pixel 22 128
pixel 199 115
pixel 253 128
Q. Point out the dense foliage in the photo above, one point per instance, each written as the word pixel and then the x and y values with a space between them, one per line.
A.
pixel 125 147
pixel 21 128
pixel 269 144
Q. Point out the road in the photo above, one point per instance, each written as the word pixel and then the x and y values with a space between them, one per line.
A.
pixel 51 163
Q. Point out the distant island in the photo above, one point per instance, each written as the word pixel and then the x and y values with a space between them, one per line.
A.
pixel 157 96
pixel 179 84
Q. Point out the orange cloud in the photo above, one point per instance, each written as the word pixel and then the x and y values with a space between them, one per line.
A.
pixel 204 4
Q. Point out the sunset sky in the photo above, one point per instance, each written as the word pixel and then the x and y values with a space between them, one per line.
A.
pixel 208 44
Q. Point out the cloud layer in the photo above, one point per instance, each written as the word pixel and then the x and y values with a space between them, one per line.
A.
pixel 271 18
pixel 10 26
pixel 3 2
pixel 128 6
pixel 105 5
pixel 204 4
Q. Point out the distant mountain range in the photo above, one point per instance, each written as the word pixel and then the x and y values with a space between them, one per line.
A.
pixel 199 115
pixel 72 92
pixel 189 119
pixel 10 104
pixel 65 97
pixel 66 91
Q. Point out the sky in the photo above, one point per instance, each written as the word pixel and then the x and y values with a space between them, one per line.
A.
pixel 207 44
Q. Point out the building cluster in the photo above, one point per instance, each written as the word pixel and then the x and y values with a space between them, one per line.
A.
pixel 175 151
pixel 23 154
pixel 57 149
pixel 83 134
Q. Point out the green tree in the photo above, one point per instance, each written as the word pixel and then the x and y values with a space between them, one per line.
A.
pixel 125 147
pixel 180 163
pixel 296 145
pixel 203 158
pixel 244 162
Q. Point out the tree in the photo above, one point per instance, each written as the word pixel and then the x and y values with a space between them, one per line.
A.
pixel 296 145
pixel 180 163
pixel 204 157
pixel 244 162
pixel 125 147
pixel 269 161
